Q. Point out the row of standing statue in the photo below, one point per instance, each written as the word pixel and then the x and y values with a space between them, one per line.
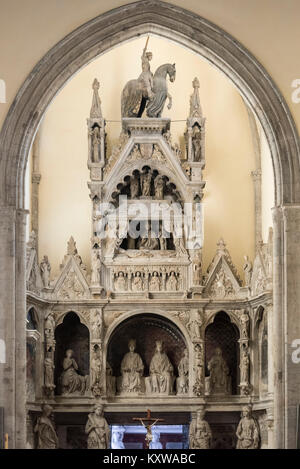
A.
pixel 98 431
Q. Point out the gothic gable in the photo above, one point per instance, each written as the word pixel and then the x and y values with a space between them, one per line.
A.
pixel 222 280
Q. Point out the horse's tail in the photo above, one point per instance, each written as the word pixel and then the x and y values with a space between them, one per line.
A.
pixel 131 99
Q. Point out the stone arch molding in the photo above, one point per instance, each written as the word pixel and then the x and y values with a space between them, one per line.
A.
pixel 135 313
pixel 124 23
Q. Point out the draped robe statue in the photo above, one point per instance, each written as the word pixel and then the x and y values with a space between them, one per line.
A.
pixel 183 371
pixel 219 379
pixel 47 437
pixel 132 369
pixel 161 377
pixel 247 431
pixel 200 432
pixel 97 429
pixel 71 381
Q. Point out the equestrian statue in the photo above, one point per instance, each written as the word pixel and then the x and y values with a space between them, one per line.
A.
pixel 147 91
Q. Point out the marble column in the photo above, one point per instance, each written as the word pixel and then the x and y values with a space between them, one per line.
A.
pixel 286 325
pixel 13 324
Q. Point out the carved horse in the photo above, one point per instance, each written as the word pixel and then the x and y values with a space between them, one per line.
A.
pixel 135 97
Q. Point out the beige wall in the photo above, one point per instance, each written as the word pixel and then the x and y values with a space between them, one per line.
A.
pixel 268 28
pixel 228 202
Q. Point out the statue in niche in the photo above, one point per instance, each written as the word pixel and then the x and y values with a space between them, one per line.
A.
pixel 97 325
pixel 196 143
pixel 154 284
pixel 148 242
pixel 71 381
pixel 97 429
pixel 95 137
pixel 194 325
pixel 219 380
pixel 244 320
pixel 47 437
pixel 49 327
pixel 132 370
pixel 120 282
pixel 137 282
pixel 134 186
pixel 197 268
pixel 247 271
pixel 247 431
pixel 117 438
pixel 110 381
pixel 96 368
pixel 49 373
pixel 198 370
pixel 162 238
pixel 200 432
pixel 244 367
pixel 183 372
pixel 159 185
pixel 45 271
pixel 96 265
pixel 179 247
pixel 146 177
pixel 155 443
pixel 161 377
pixel 172 283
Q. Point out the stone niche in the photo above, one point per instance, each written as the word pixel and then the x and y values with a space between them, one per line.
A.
pixel 223 334
pixel 146 329
pixel 74 335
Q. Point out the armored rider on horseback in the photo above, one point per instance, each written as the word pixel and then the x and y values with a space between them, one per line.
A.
pixel 146 77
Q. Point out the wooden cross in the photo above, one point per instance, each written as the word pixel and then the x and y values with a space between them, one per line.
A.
pixel 148 423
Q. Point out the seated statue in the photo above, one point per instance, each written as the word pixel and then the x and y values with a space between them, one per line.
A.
pixel 161 379
pixel 182 381
pixel 71 381
pixel 219 380
pixel 132 369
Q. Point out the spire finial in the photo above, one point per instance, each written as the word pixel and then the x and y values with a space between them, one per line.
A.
pixel 195 107
pixel 96 112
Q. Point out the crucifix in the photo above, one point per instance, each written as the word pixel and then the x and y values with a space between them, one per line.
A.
pixel 148 423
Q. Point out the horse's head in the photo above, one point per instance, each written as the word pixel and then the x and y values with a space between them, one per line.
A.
pixel 172 72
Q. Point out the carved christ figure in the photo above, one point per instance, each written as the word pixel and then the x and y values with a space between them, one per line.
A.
pixel 132 369
pixel 161 377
